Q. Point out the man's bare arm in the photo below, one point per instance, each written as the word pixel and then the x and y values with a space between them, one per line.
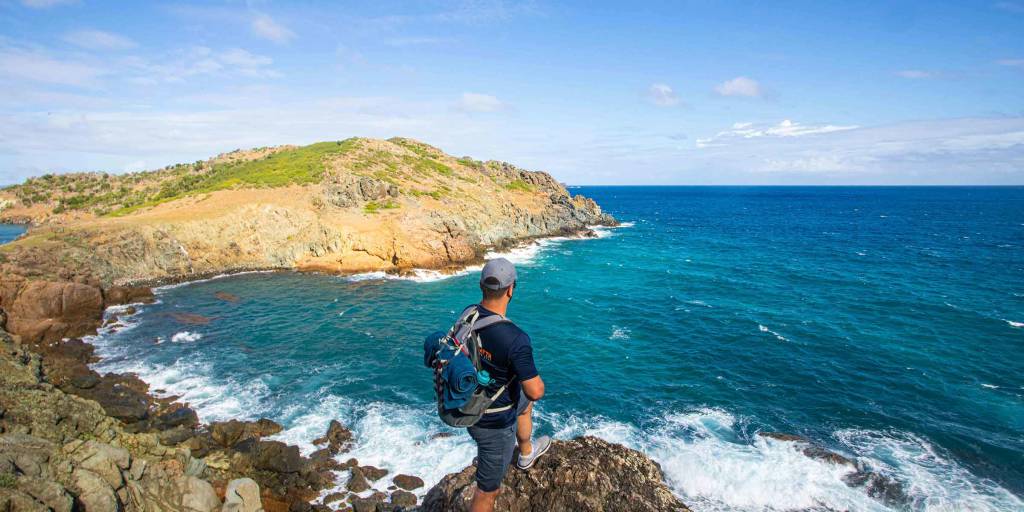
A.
pixel 534 388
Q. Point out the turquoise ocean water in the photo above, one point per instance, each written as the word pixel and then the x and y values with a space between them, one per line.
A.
pixel 884 323
pixel 9 232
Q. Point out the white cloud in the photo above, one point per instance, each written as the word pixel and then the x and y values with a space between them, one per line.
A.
pixel 785 128
pixel 417 41
pixel 36 66
pixel 662 95
pixel 200 60
pixel 45 4
pixel 740 86
pixel 962 150
pixel 99 40
pixel 474 102
pixel 916 74
pixel 1013 63
pixel 264 26
pixel 1015 7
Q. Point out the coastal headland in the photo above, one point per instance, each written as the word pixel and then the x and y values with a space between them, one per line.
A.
pixel 73 439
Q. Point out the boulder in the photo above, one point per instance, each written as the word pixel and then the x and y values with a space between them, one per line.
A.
pixel 226 297
pixel 229 434
pixel 48 311
pixel 117 295
pixel 278 457
pixel 242 495
pixel 51 494
pixel 357 481
pixel 338 438
pixel 373 473
pixel 584 474
pixel 104 460
pixel 93 491
pixel 404 499
pixel 408 482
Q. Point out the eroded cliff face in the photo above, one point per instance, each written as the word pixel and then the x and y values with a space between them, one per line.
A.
pixel 380 205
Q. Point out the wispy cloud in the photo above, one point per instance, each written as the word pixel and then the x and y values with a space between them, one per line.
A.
pixel 200 60
pixel 99 40
pixel 418 41
pixel 1015 7
pixel 935 151
pixel 785 128
pixel 475 102
pixel 1013 63
pixel 266 27
pixel 916 74
pixel 740 86
pixel 662 95
pixel 37 66
pixel 45 4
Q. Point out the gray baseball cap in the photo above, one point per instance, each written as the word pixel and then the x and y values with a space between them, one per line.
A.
pixel 497 274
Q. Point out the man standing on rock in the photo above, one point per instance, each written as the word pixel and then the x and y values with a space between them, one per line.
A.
pixel 507 355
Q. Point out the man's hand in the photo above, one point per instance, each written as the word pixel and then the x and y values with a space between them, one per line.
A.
pixel 533 388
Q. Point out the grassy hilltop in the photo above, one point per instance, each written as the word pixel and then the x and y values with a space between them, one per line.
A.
pixel 102 194
pixel 340 206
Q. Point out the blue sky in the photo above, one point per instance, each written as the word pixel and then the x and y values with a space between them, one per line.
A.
pixel 700 92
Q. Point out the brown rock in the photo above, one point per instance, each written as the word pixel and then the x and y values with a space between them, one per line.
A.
pixel 403 499
pixel 47 311
pixel 408 482
pixel 373 473
pixel 334 496
pixel 226 297
pixel 585 473
pixel 278 457
pixel 338 438
pixel 357 481
pixel 116 295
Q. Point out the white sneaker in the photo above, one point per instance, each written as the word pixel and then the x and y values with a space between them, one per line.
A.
pixel 540 447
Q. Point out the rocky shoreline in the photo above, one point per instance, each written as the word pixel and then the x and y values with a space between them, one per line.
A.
pixel 73 439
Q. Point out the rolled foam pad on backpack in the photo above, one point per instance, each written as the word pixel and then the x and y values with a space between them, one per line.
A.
pixel 461 378
pixel 430 345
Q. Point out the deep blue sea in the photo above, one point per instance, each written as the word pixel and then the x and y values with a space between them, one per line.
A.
pixel 884 323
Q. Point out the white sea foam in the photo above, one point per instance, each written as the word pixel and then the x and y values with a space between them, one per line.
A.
pixel 620 333
pixel 402 439
pixel 159 289
pixel 933 481
pixel 765 329
pixel 523 254
pixel 186 337
pixel 1015 325
pixel 990 386
pixel 215 398
pixel 704 460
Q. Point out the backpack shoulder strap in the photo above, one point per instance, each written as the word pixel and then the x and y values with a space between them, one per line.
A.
pixel 488 321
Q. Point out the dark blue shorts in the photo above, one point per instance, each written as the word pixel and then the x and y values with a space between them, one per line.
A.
pixel 494 449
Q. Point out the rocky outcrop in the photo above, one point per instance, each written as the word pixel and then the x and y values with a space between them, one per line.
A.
pixel 47 311
pixel 349 191
pixel 68 451
pixel 584 474
pixel 874 484
pixel 62 452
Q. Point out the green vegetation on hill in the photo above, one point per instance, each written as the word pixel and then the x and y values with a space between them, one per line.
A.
pixel 519 185
pixel 106 194
pixel 420 170
pixel 297 166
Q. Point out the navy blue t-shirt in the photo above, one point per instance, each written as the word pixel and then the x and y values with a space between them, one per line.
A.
pixel 506 354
